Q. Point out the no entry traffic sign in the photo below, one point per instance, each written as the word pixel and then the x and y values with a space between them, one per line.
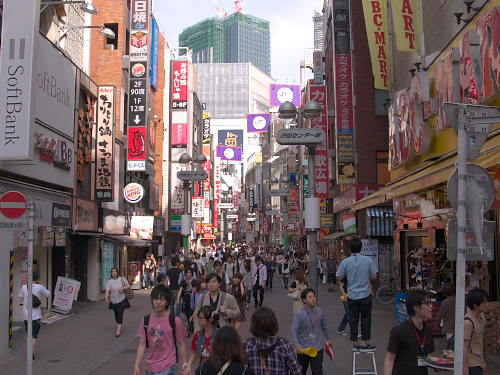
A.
pixel 13 205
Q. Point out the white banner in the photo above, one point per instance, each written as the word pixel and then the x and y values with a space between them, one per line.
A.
pixel 21 19
pixel 65 293
pixel 197 205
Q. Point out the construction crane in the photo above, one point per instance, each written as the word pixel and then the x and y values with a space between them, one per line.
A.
pixel 222 13
pixel 238 6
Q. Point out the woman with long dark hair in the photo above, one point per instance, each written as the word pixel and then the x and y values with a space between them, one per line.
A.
pixel 226 355
pixel 266 352
pixel 115 296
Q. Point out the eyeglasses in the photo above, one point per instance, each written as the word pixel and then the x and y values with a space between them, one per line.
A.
pixel 428 303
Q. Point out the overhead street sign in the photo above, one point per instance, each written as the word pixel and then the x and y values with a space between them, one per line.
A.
pixel 232 216
pixel 472 250
pixel 192 176
pixel 301 136
pixel 226 205
pixel 280 192
pixel 479 122
pixel 13 205
pixel 274 212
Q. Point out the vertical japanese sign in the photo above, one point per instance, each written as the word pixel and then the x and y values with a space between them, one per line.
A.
pixel 217 176
pixel 155 53
pixel 318 67
pixel 197 204
pixel 377 30
pixel 105 141
pixel 179 85
pixel 206 128
pixel 318 94
pixel 138 85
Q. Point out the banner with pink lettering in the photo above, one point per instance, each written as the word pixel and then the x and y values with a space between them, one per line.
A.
pixel 406 19
pixel 377 30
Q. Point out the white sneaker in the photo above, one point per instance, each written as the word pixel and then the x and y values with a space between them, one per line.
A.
pixel 343 333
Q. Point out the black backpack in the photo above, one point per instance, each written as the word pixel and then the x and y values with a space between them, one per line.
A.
pixel 171 319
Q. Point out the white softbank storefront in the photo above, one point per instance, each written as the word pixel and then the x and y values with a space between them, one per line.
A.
pixel 37 125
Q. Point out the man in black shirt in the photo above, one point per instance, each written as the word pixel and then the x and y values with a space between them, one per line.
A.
pixel 173 282
pixel 413 340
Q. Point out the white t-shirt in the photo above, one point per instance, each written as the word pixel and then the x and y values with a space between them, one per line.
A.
pixel 39 291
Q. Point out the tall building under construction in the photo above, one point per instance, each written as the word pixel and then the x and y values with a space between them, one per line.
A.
pixel 237 38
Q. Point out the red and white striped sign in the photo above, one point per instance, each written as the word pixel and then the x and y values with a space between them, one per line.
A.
pixel 13 205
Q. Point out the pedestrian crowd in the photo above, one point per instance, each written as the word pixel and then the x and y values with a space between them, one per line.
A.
pixel 214 290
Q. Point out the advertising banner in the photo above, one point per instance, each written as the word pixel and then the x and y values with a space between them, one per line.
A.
pixel 197 204
pixel 179 135
pixel 155 53
pixel 258 122
pixel 141 227
pixel 138 85
pixel 206 128
pixel 179 85
pixel 349 222
pixel 285 93
pixel 105 144
pixel 318 93
pixel 377 30
pixel 136 149
pixel 16 65
pixel 232 138
pixel 230 153
pixel 66 292
pixel 406 20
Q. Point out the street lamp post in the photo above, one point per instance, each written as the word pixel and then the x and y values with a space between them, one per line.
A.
pixel 285 180
pixel 310 110
pixel 186 177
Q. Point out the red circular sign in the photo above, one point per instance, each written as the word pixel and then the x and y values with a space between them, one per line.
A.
pixel 13 205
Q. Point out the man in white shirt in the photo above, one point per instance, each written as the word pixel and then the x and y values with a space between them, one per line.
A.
pixel 259 277
pixel 36 312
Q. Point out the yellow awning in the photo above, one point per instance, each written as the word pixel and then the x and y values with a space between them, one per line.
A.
pixel 434 175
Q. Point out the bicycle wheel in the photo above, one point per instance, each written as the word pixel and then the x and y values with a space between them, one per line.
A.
pixel 385 294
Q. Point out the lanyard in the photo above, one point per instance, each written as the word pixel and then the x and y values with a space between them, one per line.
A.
pixel 420 342
pixel 315 323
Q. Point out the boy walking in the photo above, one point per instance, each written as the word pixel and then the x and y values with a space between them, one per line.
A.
pixel 160 338
pixel 308 324
pixel 413 340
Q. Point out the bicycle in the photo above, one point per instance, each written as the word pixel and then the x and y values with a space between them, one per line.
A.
pixel 387 293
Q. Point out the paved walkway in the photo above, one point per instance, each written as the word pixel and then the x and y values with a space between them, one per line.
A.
pixel 84 343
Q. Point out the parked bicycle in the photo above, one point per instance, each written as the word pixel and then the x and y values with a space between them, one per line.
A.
pixel 387 293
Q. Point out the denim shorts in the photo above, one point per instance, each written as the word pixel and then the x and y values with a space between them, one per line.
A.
pixel 170 371
pixel 36 328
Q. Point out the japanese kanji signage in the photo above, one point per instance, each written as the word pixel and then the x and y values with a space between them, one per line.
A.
pixel 197 204
pixel 318 94
pixel 179 85
pixel 206 128
pixel 138 84
pixel 105 141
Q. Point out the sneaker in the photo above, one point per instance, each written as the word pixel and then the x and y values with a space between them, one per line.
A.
pixel 367 348
pixel 356 348
pixel 343 333
pixel 359 336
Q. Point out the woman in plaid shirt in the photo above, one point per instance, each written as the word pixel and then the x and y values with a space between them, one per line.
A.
pixel 268 354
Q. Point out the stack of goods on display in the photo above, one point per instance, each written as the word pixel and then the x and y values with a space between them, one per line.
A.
pixel 492 333
pixel 428 268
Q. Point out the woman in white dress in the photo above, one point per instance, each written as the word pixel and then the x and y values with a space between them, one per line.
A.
pixel 115 296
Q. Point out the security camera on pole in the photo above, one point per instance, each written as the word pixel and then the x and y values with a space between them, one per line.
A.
pixel 471 192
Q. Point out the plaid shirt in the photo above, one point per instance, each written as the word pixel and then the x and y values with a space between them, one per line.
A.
pixel 282 360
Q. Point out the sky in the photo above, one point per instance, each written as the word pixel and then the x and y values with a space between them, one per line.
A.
pixel 290 21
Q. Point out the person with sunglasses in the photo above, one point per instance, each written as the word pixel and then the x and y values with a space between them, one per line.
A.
pixel 413 340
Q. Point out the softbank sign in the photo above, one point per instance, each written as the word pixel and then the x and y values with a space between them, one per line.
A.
pixel 17 78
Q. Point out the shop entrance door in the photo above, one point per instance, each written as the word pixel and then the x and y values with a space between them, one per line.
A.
pixel 409 241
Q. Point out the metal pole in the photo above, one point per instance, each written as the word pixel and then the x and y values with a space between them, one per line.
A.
pixel 285 219
pixel 462 222
pixel 29 338
pixel 313 234
pixel 185 242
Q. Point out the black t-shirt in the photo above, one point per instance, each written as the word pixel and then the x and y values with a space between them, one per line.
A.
pixel 235 368
pixel 404 343
pixel 173 275
pixel 186 292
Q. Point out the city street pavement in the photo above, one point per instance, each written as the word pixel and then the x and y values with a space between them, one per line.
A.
pixel 85 343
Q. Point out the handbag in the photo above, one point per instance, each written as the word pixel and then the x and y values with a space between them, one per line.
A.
pixel 129 293
pixel 295 295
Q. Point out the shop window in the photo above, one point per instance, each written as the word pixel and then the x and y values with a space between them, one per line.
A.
pixel 383 176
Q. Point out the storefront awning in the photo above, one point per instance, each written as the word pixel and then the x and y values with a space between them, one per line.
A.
pixel 131 241
pixel 379 221
pixel 433 175
pixel 208 236
pixel 333 236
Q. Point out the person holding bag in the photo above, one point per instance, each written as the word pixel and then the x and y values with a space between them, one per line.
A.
pixel 296 289
pixel 226 356
pixel 115 296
